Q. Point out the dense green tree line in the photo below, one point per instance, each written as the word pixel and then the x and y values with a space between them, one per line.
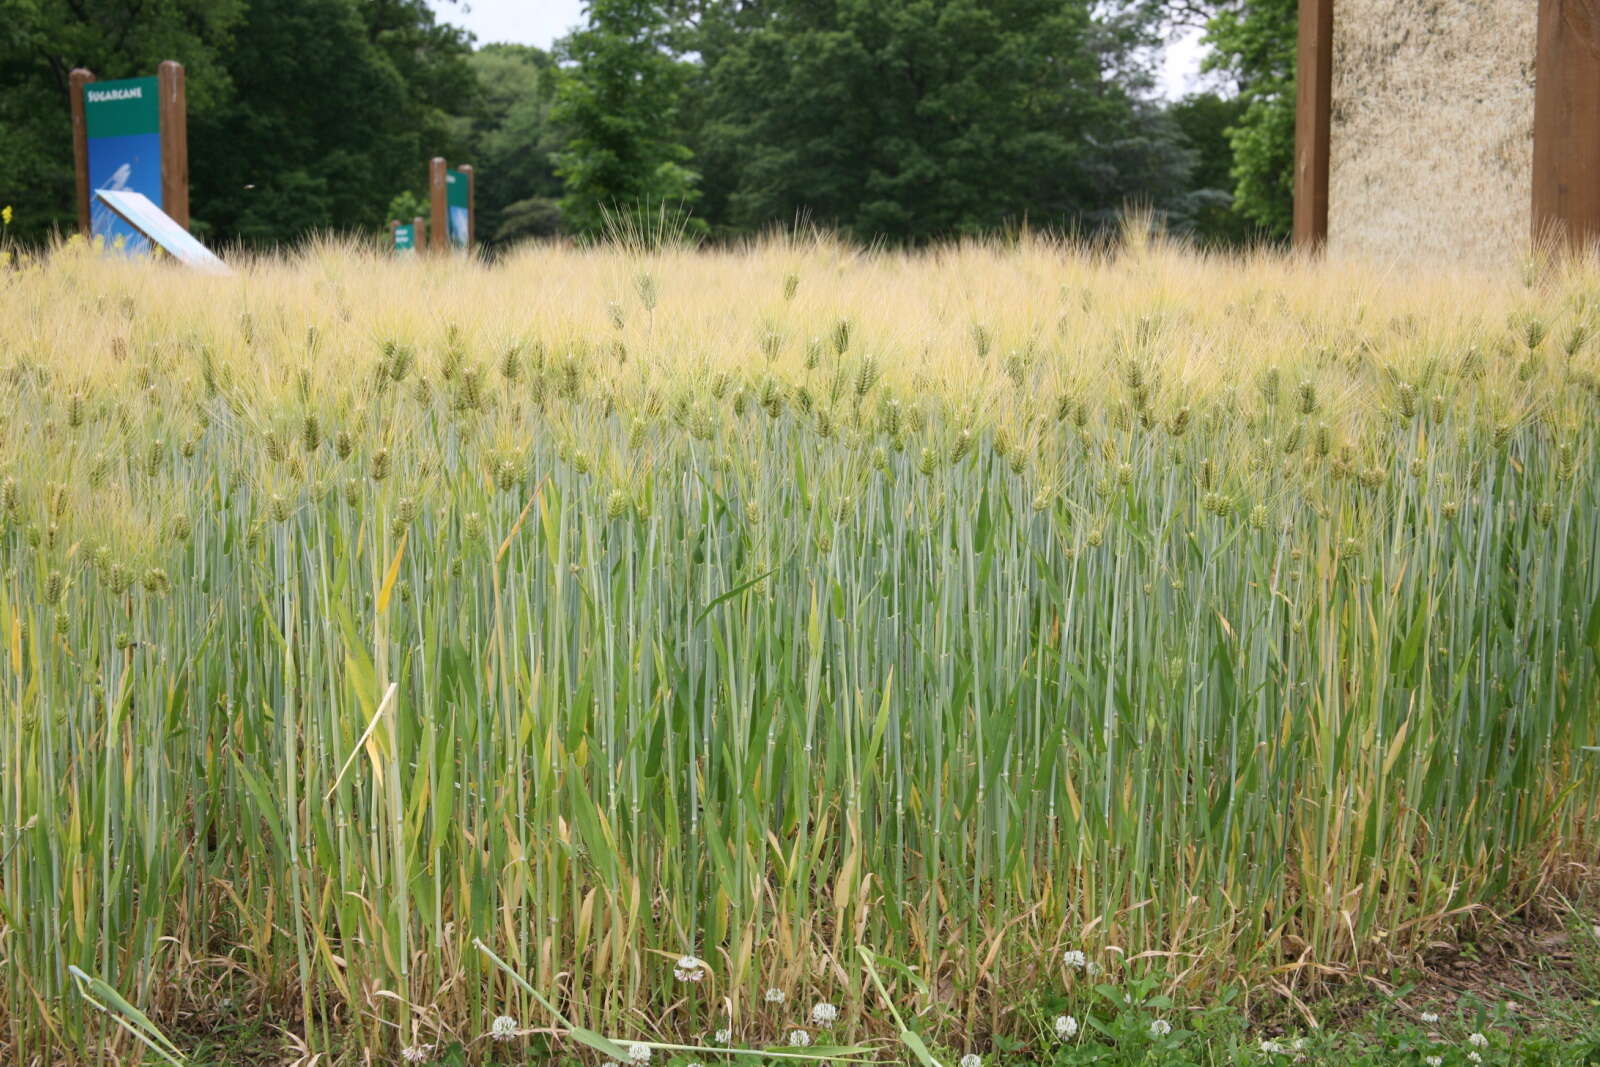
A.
pixel 898 120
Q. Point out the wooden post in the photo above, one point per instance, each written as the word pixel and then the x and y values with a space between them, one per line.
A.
pixel 419 236
pixel 472 205
pixel 394 224
pixel 1313 113
pixel 80 145
pixel 439 238
pixel 1566 123
pixel 174 141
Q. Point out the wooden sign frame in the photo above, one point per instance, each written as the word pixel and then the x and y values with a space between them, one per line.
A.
pixel 1313 115
pixel 174 141
pixel 439 205
pixel 436 203
pixel 1566 124
pixel 80 146
pixel 173 110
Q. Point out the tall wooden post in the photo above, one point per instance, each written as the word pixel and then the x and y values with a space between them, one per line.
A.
pixel 419 236
pixel 80 146
pixel 174 111
pixel 1566 123
pixel 472 206
pixel 438 238
pixel 1313 114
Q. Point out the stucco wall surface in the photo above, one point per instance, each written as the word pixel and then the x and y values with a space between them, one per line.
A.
pixel 1432 130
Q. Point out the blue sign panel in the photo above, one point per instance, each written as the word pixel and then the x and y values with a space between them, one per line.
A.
pixel 124 142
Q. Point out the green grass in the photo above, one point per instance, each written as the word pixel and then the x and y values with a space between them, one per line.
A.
pixel 355 612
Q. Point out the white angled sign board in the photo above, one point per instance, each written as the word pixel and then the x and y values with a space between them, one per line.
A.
pixel 157 225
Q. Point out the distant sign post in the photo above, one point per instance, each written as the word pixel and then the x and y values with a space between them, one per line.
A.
pixel 130 136
pixel 453 200
pixel 405 238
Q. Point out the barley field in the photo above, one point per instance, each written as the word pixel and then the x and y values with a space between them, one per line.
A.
pixel 661 643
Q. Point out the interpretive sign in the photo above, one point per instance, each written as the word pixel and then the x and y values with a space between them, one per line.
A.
pixel 130 136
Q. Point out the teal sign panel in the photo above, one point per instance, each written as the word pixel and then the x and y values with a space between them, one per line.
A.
pixel 405 238
pixel 456 206
pixel 124 141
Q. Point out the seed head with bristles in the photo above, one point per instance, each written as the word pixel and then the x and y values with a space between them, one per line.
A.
pixel 841 336
pixel 962 446
pixel 1308 397
pixel 1407 400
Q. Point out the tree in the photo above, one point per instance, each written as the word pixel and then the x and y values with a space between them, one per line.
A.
pixel 513 139
pixel 1254 42
pixel 41 41
pixel 617 105
pixel 912 119
pixel 334 104
pixel 1205 120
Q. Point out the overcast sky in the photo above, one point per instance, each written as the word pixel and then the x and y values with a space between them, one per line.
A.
pixel 522 21
pixel 541 21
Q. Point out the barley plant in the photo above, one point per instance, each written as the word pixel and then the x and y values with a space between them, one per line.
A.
pixel 404 653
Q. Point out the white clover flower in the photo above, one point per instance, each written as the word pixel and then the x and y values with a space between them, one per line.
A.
pixel 1512 1005
pixel 1093 968
pixel 504 1028
pixel 1066 1027
pixel 1429 1017
pixel 723 1036
pixel 689 969
pixel 972 1059
pixel 416 1053
pixel 1433 1061
pixel 799 1038
pixel 1478 1039
pixel 1160 1028
pixel 774 996
pixel 823 1014
pixel 639 1053
pixel 1595 929
pixel 1473 1057
pixel 1075 959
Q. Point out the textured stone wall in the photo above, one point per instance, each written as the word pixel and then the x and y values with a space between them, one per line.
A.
pixel 1432 130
